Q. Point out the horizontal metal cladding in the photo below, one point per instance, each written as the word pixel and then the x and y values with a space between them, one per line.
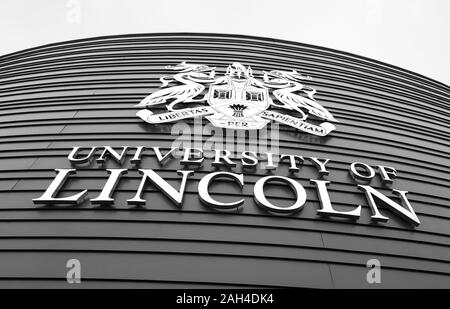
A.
pixel 84 92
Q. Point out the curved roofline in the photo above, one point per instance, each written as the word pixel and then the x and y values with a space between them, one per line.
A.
pixel 244 36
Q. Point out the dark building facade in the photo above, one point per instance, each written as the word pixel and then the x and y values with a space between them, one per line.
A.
pixel 84 93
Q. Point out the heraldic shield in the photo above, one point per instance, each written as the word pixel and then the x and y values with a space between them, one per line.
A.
pixel 238 99
pixel 238 105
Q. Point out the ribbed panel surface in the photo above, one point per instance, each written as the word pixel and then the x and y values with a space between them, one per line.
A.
pixel 83 93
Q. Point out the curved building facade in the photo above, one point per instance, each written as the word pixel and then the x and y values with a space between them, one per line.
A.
pixel 85 93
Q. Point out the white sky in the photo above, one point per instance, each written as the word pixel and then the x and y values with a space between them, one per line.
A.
pixel 413 34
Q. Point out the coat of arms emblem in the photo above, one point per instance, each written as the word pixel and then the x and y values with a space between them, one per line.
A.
pixel 237 100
